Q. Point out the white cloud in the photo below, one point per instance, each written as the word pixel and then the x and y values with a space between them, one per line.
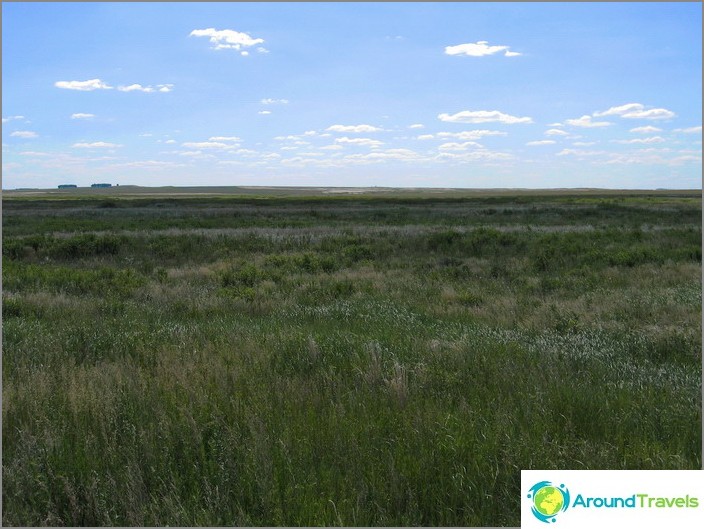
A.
pixel 654 139
pixel 556 132
pixel 11 118
pixel 24 134
pixel 541 142
pixel 261 49
pixel 353 128
pixel 458 146
pixel 96 144
pixel 482 116
pixel 270 101
pixel 584 143
pixel 478 49
pixel 224 138
pixel 150 164
pixel 331 148
pixel 244 53
pixel 646 130
pixel 690 130
pixel 33 153
pixel 264 112
pixel 81 115
pixel 83 86
pixel 227 39
pixel 636 111
pixel 364 142
pixel 579 152
pixel 425 137
pixel 470 134
pixel 170 141
pixel 208 145
pixel 148 89
pixel 310 133
pixel 586 121
pixel 416 126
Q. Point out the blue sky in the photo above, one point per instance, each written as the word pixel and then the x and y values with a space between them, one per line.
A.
pixel 473 95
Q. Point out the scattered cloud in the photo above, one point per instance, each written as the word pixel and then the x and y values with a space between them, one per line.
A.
pixel 425 137
pixel 541 142
pixel 228 39
pixel 479 49
pixel 416 126
pixel 208 145
pixel 648 129
pixel 459 146
pixel 270 101
pixel 364 142
pixel 150 164
pixel 148 89
pixel 482 116
pixel 690 130
pixel 224 138
pixel 556 132
pixel 81 115
pixel 11 118
pixel 470 134
pixel 27 134
pixel 586 122
pixel 331 148
pixel 654 139
pixel 264 112
pixel 83 86
pixel 579 152
pixel 353 128
pixel 96 145
pixel 636 111
pixel 584 143
pixel 34 153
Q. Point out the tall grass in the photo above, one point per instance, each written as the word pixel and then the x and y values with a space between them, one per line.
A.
pixel 362 375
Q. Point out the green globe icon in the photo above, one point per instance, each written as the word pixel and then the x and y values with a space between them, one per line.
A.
pixel 548 501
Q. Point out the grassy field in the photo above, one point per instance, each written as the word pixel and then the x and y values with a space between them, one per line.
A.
pixel 340 359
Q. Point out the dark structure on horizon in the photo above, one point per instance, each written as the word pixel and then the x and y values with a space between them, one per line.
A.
pixel 101 185
pixel 67 186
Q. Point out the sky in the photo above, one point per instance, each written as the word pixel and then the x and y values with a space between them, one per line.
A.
pixel 464 95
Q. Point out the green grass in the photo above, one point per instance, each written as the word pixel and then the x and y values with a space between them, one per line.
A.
pixel 365 360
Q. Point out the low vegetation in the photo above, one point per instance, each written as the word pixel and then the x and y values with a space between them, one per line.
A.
pixel 357 360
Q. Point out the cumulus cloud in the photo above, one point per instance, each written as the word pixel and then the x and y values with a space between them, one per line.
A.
pixel 81 115
pixel 646 130
pixel 483 116
pixel 416 126
pixel 270 101
pixel 27 134
pixel 425 137
pixel 96 145
pixel 541 142
pixel 690 130
pixel 479 49
pixel 227 39
pixel 364 142
pixel 636 111
pixel 586 122
pixel 83 86
pixel 654 139
pixel 353 128
pixel 150 164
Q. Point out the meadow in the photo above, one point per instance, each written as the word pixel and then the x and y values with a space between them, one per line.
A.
pixel 373 359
